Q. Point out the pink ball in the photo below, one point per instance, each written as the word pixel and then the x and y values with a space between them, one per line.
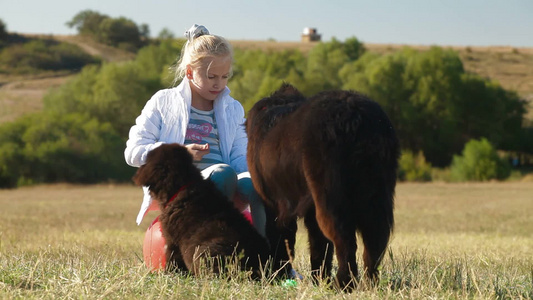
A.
pixel 154 247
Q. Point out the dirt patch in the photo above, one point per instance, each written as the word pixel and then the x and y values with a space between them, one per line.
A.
pixel 106 53
pixel 21 96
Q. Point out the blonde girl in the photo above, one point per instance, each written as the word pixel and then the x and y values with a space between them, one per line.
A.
pixel 200 114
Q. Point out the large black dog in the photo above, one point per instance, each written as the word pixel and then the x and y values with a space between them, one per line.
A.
pixel 331 159
pixel 197 220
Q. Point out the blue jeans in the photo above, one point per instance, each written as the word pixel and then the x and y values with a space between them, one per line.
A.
pixel 238 188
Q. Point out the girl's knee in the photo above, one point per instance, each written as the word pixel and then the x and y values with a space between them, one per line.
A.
pixel 224 172
pixel 225 179
pixel 246 186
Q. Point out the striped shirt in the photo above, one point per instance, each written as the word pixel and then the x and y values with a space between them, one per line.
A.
pixel 202 129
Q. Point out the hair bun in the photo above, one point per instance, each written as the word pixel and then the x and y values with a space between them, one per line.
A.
pixel 195 31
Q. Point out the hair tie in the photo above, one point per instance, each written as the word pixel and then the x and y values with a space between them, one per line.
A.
pixel 195 31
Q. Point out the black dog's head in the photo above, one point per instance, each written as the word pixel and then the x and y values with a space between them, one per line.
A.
pixel 266 112
pixel 168 168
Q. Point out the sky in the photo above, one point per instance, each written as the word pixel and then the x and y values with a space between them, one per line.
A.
pixel 409 22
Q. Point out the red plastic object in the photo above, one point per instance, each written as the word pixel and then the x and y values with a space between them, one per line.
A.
pixel 154 247
pixel 248 215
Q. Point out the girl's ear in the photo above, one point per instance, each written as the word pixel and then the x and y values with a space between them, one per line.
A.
pixel 188 72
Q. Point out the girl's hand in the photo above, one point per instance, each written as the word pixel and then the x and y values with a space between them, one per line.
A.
pixel 197 151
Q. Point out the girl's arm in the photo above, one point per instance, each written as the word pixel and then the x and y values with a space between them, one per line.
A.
pixel 240 143
pixel 144 135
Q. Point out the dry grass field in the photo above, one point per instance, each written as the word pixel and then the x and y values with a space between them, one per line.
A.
pixel 452 241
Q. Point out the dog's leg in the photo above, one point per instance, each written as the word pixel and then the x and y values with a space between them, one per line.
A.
pixel 375 243
pixel 175 260
pixel 320 247
pixel 376 233
pixel 344 241
pixel 339 227
pixel 280 237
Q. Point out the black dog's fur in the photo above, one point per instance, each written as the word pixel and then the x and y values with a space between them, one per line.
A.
pixel 331 159
pixel 201 222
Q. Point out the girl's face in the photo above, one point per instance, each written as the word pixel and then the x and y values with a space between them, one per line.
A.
pixel 209 80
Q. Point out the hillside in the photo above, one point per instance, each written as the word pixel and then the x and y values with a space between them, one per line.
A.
pixel 511 67
pixel 23 94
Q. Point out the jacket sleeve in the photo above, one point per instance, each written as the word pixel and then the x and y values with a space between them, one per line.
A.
pixel 240 143
pixel 144 135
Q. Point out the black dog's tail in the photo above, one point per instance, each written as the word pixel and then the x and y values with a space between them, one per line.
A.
pixel 357 132
pixel 349 120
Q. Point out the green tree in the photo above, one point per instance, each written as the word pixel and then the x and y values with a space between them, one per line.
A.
pixel 87 22
pixel 120 32
pixel 12 162
pixel 354 48
pixel 3 32
pixel 435 106
pixel 153 61
pixel 257 73
pixel 323 64
pixel 118 103
pixel 325 61
pixel 487 110
pixel 479 161
pixel 413 168
pixel 75 95
pixel 245 86
pixel 434 78
pixel 144 31
pixel 382 79
pixel 165 34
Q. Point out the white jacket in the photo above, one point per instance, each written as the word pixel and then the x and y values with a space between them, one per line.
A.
pixel 164 119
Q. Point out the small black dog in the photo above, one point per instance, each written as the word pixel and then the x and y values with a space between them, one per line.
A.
pixel 197 220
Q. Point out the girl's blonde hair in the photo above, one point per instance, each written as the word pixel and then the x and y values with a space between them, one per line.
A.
pixel 196 50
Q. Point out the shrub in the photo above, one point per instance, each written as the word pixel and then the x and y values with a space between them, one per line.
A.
pixel 10 159
pixel 479 162
pixel 47 147
pixel 414 168
pixel 441 175
pixel 41 54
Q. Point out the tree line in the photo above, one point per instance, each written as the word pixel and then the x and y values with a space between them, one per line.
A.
pixel 118 32
pixel 435 105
